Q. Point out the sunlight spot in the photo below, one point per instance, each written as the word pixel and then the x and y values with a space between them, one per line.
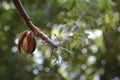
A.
pixel 35 71
pixel 91 34
pixel 116 78
pixel 64 1
pixel 59 60
pixel 87 0
pixel 118 57
pixel 40 67
pixel 53 61
pixel 14 49
pixel 49 24
pixel 82 77
pixel 6 5
pixel 47 69
pixel 96 77
pixel 94 34
pixel 91 59
pixel 63 13
pixel 89 71
pixel 40 42
pixel 119 29
pixel 99 21
pixel 12 6
pixel 84 50
pixel 6 28
pixel 59 30
pixel 71 34
pixel 94 48
pixel 16 41
pixel 38 58
pixel 37 53
pixel 37 78
pixel 83 67
pixel 62 69
pixel 86 41
pixel 53 37
pixel 98 33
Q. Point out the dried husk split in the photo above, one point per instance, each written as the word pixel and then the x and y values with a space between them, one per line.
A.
pixel 27 42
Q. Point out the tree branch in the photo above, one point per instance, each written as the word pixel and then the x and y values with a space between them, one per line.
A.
pixel 35 29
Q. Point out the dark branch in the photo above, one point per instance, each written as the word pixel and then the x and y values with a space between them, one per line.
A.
pixel 23 13
pixel 35 29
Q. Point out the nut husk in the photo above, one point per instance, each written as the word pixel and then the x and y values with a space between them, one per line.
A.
pixel 27 42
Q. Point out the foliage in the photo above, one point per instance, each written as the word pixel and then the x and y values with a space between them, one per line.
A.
pixel 91 53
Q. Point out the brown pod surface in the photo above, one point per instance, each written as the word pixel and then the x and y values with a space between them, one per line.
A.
pixel 20 41
pixel 25 45
pixel 27 42
pixel 30 44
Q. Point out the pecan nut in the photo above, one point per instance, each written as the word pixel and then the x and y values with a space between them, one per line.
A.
pixel 27 42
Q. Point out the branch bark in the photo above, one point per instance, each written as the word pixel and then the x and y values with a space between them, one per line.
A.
pixel 35 29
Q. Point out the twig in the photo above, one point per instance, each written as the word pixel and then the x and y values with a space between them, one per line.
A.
pixel 67 35
pixel 35 29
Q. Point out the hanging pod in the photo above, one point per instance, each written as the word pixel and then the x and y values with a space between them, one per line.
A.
pixel 27 42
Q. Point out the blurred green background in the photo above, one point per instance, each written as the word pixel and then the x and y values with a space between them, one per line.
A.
pixel 91 53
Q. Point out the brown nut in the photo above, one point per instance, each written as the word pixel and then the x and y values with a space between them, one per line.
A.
pixel 27 42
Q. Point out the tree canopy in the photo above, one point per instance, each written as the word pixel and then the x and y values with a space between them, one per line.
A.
pixel 91 52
